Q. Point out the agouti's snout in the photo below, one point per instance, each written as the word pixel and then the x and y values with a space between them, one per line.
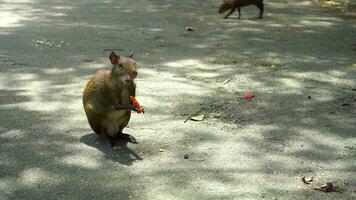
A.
pixel 133 74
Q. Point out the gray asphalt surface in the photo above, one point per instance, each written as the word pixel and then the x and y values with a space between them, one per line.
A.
pixel 299 62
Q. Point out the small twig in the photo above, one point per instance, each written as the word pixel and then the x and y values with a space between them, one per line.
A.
pixel 190 116
pixel 226 81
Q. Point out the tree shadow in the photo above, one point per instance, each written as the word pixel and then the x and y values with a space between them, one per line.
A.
pixel 124 155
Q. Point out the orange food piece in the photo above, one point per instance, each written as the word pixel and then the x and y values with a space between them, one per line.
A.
pixel 136 104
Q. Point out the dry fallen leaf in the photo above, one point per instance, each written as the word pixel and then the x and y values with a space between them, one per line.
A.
pixel 197 118
pixel 307 180
pixel 188 28
pixel 274 67
pixel 226 81
pixel 327 187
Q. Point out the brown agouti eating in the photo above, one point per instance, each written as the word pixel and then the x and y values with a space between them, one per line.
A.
pixel 233 4
pixel 106 98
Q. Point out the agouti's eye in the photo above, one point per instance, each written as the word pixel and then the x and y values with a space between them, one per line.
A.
pixel 120 65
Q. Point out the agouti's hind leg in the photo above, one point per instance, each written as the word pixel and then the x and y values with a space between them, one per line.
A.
pixel 261 7
pixel 127 137
pixel 113 143
pixel 232 10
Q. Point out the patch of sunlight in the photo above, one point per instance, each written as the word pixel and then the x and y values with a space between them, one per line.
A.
pixel 291 83
pixel 201 69
pixel 95 66
pixel 333 77
pixel 125 10
pixel 251 29
pixel 185 63
pixel 262 40
pixel 300 3
pixel 10 19
pixel 57 14
pixel 275 25
pixel 62 7
pixel 17 133
pixel 201 46
pixel 35 176
pixel 82 160
pixel 316 23
pixel 152 29
pixel 56 71
pixel 265 128
pixel 12 14
pixel 25 77
pixel 337 73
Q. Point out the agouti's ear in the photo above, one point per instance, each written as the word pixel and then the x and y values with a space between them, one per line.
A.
pixel 114 59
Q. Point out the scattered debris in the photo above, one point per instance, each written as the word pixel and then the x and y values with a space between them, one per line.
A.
pixel 291 29
pixel 196 156
pixel 116 147
pixel 197 118
pixel 188 28
pixel 226 81
pixel 162 150
pixel 274 67
pixel 248 96
pixel 309 97
pixel 327 187
pixel 345 104
pixel 307 180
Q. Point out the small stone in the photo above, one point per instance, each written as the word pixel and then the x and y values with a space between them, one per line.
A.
pixel 186 156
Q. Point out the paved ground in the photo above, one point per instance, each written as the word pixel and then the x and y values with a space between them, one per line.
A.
pixel 299 61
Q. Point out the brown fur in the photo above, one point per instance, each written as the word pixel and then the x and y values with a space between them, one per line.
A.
pixel 233 4
pixel 106 89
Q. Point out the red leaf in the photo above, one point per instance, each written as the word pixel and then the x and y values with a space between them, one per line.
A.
pixel 248 96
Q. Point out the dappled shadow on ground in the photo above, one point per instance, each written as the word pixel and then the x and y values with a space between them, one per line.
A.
pixel 246 148
pixel 124 155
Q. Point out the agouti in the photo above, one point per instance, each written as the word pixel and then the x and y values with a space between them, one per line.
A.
pixel 233 4
pixel 106 98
